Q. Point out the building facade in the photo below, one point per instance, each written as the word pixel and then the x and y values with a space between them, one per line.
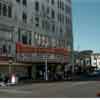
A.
pixel 33 34
pixel 95 60
pixel 87 60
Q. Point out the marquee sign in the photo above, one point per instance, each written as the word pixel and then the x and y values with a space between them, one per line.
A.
pixel 20 48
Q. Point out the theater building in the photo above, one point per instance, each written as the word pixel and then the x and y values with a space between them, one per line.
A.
pixel 35 37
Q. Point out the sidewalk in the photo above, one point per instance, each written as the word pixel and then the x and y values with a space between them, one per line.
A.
pixel 74 78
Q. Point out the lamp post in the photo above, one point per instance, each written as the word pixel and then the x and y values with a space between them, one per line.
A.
pixel 46 69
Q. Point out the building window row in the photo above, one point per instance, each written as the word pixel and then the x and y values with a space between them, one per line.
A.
pixel 63 6
pixel 24 2
pixel 44 11
pixel 5 10
pixel 5 49
pixel 46 25
pixel 51 2
pixel 60 4
pixel 53 14
pixel 41 40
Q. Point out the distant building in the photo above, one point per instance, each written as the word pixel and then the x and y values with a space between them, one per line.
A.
pixel 95 60
pixel 87 60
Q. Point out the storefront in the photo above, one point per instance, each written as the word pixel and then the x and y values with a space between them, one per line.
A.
pixel 47 63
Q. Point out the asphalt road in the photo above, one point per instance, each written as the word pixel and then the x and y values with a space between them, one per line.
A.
pixel 83 89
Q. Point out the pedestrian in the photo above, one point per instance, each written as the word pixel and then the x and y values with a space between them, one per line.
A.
pixel 6 79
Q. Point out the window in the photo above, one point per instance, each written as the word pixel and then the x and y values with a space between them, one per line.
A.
pixel 19 35
pixel 9 49
pixel 62 19
pixel 24 39
pixel 9 11
pixel 58 17
pixel 53 28
pixel 48 10
pixel 37 6
pixel 47 1
pixel 61 30
pixel 48 26
pixel 53 14
pixel 58 4
pixel 43 24
pixel 25 2
pixel 62 5
pixel 18 1
pixel 4 49
pixel 24 17
pixel 4 10
pixel 30 38
pixel 52 2
pixel 43 8
pixel 37 21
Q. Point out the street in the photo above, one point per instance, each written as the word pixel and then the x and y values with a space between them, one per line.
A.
pixel 52 90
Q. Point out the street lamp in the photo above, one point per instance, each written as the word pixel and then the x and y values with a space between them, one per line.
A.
pixel 46 67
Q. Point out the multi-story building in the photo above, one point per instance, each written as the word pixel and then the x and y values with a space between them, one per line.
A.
pixel 87 60
pixel 35 33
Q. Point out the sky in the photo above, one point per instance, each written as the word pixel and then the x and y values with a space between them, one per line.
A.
pixel 86 24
